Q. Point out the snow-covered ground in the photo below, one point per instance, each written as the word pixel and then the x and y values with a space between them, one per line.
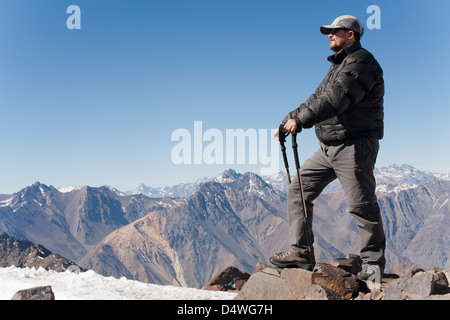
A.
pixel 92 286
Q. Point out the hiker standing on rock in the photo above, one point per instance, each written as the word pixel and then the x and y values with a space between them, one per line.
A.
pixel 347 112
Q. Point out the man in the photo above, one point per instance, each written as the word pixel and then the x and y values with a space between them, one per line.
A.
pixel 347 112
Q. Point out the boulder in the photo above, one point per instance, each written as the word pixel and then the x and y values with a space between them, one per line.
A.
pixel 36 293
pixel 300 283
pixel 406 269
pixel 418 286
pixel 352 263
pixel 265 286
pixel 230 279
pixel 335 279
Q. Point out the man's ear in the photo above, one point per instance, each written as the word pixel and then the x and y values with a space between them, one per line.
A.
pixel 351 34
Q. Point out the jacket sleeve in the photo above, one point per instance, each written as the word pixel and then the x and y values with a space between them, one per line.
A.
pixel 295 113
pixel 350 86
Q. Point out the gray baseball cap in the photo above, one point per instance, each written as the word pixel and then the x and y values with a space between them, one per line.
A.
pixel 346 21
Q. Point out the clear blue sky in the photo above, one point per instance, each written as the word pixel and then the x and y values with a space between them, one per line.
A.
pixel 97 106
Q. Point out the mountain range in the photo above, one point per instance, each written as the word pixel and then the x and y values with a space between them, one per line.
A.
pixel 232 219
pixel 394 177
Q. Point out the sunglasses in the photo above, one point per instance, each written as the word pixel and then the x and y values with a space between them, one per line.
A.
pixel 336 30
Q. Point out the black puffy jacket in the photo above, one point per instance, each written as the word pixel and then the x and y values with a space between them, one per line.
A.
pixel 349 101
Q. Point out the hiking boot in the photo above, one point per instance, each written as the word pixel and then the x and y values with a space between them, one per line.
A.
pixel 371 273
pixel 289 259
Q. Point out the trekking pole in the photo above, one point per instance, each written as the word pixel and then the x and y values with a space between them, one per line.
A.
pixel 297 166
pixel 299 178
pixel 282 137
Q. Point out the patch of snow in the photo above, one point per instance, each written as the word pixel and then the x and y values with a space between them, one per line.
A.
pixel 92 286
pixel 42 190
pixel 21 205
pixel 394 188
pixel 6 202
pixel 68 189
pixel 40 204
pixel 445 202
pixel 442 176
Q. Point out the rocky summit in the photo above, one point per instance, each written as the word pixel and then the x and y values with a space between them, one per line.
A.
pixel 337 281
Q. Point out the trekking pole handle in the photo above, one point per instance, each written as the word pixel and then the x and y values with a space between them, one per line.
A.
pixel 281 134
pixel 282 138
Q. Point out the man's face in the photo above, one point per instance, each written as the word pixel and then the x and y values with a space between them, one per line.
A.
pixel 339 39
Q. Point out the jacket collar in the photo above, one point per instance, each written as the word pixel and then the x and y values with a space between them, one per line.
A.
pixel 338 57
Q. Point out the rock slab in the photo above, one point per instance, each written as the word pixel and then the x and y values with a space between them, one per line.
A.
pixel 36 293
pixel 269 283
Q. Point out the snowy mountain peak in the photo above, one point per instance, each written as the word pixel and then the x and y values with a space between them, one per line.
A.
pixel 143 189
pixel 227 176
pixel 400 177
pixel 278 181
pixel 279 176
pixel 402 174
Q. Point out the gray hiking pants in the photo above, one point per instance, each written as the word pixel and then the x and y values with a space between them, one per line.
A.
pixel 352 162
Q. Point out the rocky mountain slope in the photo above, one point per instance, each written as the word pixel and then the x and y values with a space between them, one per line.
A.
pixel 23 253
pixel 71 223
pixel 236 222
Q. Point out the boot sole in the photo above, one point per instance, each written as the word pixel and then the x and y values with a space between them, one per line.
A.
pixel 298 265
